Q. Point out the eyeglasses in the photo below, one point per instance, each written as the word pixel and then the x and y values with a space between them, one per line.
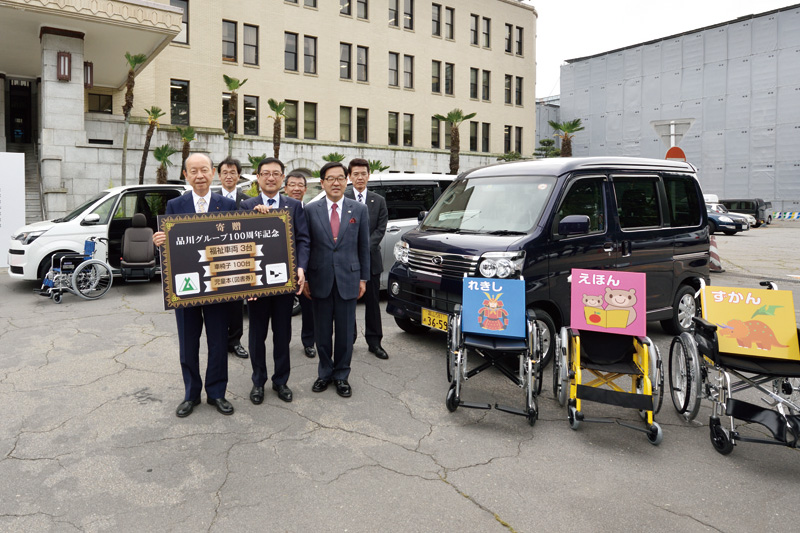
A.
pixel 338 179
pixel 275 174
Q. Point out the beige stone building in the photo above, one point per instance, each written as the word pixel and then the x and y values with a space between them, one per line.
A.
pixel 360 77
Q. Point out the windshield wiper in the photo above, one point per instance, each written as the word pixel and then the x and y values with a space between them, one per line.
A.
pixel 505 232
pixel 437 228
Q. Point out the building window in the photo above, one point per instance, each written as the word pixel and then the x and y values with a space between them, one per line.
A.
pixel 362 118
pixel 487 76
pixel 309 55
pixel 226 100
pixel 449 77
pixel 290 1
pixel 408 14
pixel 344 61
pixel 310 3
pixel 309 120
pixel 345 124
pixel 436 76
pixel 251 115
pixel 394 78
pixel 393 15
pixel 179 102
pixel 392 128
pixel 436 20
pixel 290 53
pixel 519 41
pixel 518 140
pixel 183 36
pixel 362 55
pixel 473 29
pixel 509 38
pixel 507 139
pixel 290 120
pixel 436 134
pixel 408 130
pixel 228 40
pixel 344 7
pixel 518 91
pixel 473 83
pixel 509 83
pixel 473 136
pixel 102 103
pixel 408 72
pixel 485 137
pixel 449 23
pixel 362 9
pixel 487 26
pixel 250 44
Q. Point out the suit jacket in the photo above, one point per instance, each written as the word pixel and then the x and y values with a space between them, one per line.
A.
pixel 184 204
pixel 378 218
pixel 300 234
pixel 347 259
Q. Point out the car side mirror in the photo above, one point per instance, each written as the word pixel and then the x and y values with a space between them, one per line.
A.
pixel 573 225
pixel 91 219
pixel 421 216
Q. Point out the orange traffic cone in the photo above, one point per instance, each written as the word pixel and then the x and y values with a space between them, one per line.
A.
pixel 716 264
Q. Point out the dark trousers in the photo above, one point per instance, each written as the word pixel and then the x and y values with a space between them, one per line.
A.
pixel 307 331
pixel 261 311
pixel 372 312
pixel 235 327
pixel 190 322
pixel 334 322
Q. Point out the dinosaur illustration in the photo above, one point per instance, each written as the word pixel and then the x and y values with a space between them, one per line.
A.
pixel 750 332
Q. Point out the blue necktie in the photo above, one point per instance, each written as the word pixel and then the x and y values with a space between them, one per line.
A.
pixel 271 202
pixel 361 198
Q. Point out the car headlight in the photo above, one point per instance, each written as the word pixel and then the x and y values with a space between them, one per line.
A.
pixel 401 252
pixel 27 237
pixel 727 220
pixel 501 264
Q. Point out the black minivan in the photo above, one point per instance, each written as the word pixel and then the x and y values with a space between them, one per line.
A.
pixel 543 218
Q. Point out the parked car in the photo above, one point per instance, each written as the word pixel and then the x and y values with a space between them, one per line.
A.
pixel 106 215
pixel 768 211
pixel 752 206
pixel 543 218
pixel 722 210
pixel 727 223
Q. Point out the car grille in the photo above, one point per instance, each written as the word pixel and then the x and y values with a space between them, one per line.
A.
pixel 444 265
pixel 437 300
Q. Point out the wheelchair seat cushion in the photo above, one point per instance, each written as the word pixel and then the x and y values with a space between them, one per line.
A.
pixel 599 348
pixel 499 344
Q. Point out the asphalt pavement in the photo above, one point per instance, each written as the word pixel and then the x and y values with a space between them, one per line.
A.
pixel 89 440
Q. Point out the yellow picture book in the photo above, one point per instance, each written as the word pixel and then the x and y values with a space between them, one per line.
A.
pixel 614 318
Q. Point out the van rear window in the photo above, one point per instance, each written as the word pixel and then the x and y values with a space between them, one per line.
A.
pixel 683 200
pixel 637 201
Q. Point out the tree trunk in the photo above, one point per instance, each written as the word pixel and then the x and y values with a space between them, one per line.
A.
pixel 184 157
pixel 126 112
pixel 146 150
pixel 125 127
pixel 276 138
pixel 161 174
pixel 566 146
pixel 231 121
pixel 455 149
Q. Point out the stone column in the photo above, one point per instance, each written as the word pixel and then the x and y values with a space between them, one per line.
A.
pixel 62 116
pixel 2 112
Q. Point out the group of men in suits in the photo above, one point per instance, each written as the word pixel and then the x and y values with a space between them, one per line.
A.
pixel 337 242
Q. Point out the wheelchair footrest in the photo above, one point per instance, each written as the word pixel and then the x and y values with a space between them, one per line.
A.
pixel 769 418
pixel 511 410
pixel 470 405
pixel 620 399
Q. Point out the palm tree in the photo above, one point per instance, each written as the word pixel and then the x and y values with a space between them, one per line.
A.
pixel 333 157
pixel 566 129
pixel 153 114
pixel 162 155
pixel 376 165
pixel 187 136
pixel 255 160
pixel 279 113
pixel 233 85
pixel 133 63
pixel 454 118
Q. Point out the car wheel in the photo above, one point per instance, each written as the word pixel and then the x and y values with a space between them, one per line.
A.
pixel 712 228
pixel 684 307
pixel 769 219
pixel 544 321
pixel 410 326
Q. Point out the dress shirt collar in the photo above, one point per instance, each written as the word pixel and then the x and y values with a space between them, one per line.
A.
pixel 228 194
pixel 277 198
pixel 338 206
pixel 207 198
pixel 364 193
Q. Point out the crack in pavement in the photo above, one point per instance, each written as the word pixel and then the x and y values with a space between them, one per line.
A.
pixel 668 510
pixel 478 504
pixel 57 519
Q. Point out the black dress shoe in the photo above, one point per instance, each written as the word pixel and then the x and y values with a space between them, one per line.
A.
pixel 257 395
pixel 343 388
pixel 310 351
pixel 320 385
pixel 238 351
pixel 284 392
pixel 186 408
pixel 379 352
pixel 222 405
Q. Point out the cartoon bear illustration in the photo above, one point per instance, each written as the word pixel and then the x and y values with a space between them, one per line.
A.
pixel 623 300
pixel 592 301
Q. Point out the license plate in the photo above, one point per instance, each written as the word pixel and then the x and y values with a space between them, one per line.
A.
pixel 434 319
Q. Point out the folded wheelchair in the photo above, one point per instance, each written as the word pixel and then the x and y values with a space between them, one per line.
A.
pixel 699 369
pixel 518 357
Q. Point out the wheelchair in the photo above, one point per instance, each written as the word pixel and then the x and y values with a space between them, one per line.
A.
pixel 587 365
pixel 698 370
pixel 79 274
pixel 519 359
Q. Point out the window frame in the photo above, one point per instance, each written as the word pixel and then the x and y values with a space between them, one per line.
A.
pixel 290 120
pixel 474 135
pixel 509 42
pixel 100 108
pixel 346 7
pixel 436 20
pixel 408 15
pixel 365 5
pixel 474 28
pixel 345 127
pixel 518 91
pixel 246 46
pixel 394 73
pixel 245 115
pixel 312 57
pixel 518 139
pixel 486 140
pixel 474 83
pixel 508 89
pixel 450 23
pixel 520 42
pixel 396 116
pixel 436 133
pixel 225 114
pixel 287 54
pixel 408 72
pixel 184 21
pixel 235 57
pixel 345 65
pixel 436 76
pixel 396 11
pixel 362 67
pixel 408 129
pixel 362 122
pixel 306 122
pixel 487 32
pixel 173 102
pixel 450 79
pixel 486 85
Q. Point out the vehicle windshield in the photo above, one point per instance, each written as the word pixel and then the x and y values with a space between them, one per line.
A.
pixel 80 209
pixel 502 205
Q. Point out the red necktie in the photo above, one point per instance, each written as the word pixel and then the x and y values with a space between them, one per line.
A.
pixel 334 222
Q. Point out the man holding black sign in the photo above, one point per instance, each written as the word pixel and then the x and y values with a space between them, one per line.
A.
pixel 276 308
pixel 199 173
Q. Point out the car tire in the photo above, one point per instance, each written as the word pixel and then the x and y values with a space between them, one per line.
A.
pixel 712 227
pixel 684 306
pixel 411 326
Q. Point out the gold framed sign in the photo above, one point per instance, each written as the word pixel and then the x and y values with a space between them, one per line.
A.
pixel 227 255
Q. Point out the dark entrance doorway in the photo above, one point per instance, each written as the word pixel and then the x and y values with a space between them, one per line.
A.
pixel 19 124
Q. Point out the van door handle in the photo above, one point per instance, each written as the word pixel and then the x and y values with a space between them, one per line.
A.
pixel 393 229
pixel 626 248
pixel 608 247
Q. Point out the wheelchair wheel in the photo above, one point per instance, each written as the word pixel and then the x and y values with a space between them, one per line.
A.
pixel 92 279
pixel 655 435
pixel 658 382
pixel 561 368
pixel 719 437
pixel 572 418
pixel 453 344
pixel 684 376
pixel 56 297
pixel 451 401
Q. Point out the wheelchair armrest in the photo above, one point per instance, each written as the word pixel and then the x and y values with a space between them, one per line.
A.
pixel 644 341
pixel 457 308
pixel 573 332
pixel 531 314
pixel 704 324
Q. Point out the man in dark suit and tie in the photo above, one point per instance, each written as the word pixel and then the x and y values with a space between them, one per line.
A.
pixel 338 270
pixel 278 308
pixel 229 171
pixel 199 173
pixel 296 187
pixel 378 217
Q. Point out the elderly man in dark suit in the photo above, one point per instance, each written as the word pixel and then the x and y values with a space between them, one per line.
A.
pixel 229 171
pixel 378 217
pixel 338 270
pixel 199 173
pixel 278 308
